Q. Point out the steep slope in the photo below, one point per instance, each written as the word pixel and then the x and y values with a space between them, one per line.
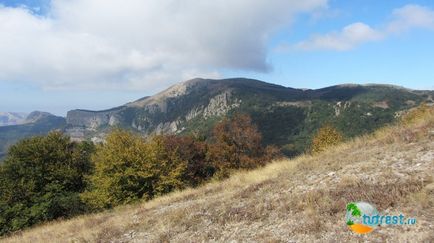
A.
pixel 299 200
pixel 36 123
pixel 286 117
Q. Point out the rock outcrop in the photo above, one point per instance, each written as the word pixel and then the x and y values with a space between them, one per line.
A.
pixel 92 120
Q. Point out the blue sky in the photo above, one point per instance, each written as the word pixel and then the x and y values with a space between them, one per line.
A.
pixel 65 54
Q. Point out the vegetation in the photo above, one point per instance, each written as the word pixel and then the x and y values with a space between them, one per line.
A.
pixel 326 137
pixel 10 135
pixel 128 168
pixel 290 200
pixel 418 113
pixel 237 145
pixel 49 177
pixel 121 172
pixel 41 180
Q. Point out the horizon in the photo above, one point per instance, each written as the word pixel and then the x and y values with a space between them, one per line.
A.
pixel 84 55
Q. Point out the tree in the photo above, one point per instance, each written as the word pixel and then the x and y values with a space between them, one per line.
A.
pixel 237 145
pixel 192 152
pixel 122 173
pixel 129 168
pixel 326 137
pixel 171 167
pixel 41 179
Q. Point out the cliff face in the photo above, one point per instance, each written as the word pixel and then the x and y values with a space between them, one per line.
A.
pixel 92 120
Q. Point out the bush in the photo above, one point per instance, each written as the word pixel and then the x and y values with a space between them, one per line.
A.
pixel 41 179
pixel 326 137
pixel 416 114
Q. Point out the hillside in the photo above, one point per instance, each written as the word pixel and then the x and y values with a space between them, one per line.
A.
pixel 286 117
pixel 300 200
pixel 36 123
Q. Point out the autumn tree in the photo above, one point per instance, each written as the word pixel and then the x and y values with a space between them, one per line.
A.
pixel 236 144
pixel 193 153
pixel 122 173
pixel 129 168
pixel 326 137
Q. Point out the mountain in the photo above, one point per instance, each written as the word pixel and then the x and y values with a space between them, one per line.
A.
pixel 286 117
pixel 36 123
pixel 12 118
pixel 298 200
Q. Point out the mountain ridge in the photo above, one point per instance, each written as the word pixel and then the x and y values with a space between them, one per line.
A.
pixel 287 117
pixel 194 105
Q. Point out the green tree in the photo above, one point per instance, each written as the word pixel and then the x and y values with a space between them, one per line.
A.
pixel 41 179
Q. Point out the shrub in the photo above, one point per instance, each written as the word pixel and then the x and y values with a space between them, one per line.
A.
pixel 326 137
pixel 418 113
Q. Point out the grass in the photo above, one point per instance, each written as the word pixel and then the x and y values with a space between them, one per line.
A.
pixel 302 199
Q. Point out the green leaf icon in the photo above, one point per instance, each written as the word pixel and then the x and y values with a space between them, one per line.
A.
pixel 355 211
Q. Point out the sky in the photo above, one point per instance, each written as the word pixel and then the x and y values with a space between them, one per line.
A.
pixel 58 55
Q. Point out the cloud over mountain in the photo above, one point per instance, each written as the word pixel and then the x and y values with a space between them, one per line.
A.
pixel 135 44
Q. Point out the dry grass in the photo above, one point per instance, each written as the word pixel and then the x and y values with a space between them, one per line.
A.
pixel 290 200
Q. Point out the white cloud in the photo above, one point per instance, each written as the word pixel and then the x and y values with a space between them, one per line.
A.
pixel 137 44
pixel 350 36
pixel 403 19
pixel 409 17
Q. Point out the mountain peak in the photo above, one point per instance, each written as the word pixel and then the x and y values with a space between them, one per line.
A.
pixel 185 87
pixel 36 116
